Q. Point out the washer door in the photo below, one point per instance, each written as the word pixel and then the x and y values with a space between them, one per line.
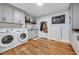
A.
pixel 23 37
pixel 6 40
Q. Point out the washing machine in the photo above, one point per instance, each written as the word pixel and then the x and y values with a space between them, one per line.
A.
pixel 7 40
pixel 11 38
pixel 22 36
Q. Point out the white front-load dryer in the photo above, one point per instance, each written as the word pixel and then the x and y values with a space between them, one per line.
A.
pixel 23 36
pixel 7 40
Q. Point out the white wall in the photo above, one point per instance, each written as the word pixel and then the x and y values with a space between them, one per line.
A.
pixel 58 31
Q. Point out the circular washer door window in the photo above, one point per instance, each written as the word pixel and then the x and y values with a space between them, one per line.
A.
pixel 23 37
pixel 7 39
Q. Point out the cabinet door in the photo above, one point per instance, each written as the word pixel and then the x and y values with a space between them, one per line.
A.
pixel 33 33
pixel 19 16
pixel 7 13
pixel 75 43
pixel 76 16
pixel 0 13
pixel 16 16
pixel 22 18
pixel 36 33
pixel 74 40
pixel 3 13
pixel 30 34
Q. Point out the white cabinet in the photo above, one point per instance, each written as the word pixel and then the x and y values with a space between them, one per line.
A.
pixel 22 18
pixel 75 16
pixel 75 42
pixel 6 13
pixel 0 13
pixel 19 16
pixel 11 14
pixel 32 33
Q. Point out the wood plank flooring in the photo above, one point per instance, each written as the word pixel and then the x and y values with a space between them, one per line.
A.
pixel 42 46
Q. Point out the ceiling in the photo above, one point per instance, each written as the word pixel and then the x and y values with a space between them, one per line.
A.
pixel 35 11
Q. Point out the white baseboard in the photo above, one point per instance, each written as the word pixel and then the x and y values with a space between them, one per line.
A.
pixel 53 39
pixel 59 40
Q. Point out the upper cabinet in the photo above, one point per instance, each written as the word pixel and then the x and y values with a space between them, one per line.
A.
pixel 74 15
pixel 6 13
pixel 11 14
pixel 0 13
pixel 19 16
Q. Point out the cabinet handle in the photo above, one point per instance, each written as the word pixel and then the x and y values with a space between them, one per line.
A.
pixel 3 19
pixel 19 21
pixel 78 38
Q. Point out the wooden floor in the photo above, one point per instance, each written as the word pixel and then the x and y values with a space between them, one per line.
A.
pixel 42 47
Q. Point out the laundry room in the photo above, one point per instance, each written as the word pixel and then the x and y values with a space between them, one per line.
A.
pixel 39 29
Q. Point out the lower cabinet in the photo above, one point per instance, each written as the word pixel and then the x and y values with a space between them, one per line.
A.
pixel 32 33
pixel 75 42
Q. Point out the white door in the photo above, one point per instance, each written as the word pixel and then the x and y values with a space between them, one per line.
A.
pixel 55 31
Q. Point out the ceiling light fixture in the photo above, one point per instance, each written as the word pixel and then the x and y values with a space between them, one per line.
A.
pixel 39 4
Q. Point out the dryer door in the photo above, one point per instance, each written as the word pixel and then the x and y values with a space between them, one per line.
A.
pixel 23 36
pixel 6 40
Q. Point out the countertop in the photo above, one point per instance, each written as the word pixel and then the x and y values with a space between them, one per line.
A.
pixel 77 31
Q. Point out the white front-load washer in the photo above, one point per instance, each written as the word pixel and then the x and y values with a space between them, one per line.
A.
pixel 7 40
pixel 22 36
